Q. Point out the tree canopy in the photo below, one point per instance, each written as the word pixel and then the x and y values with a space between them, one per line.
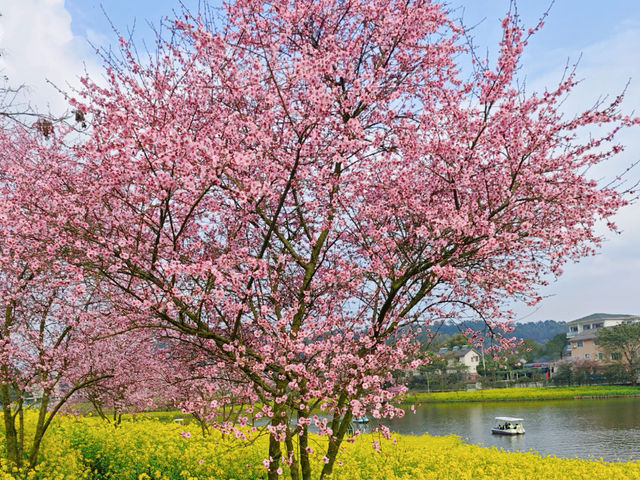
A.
pixel 623 340
pixel 289 198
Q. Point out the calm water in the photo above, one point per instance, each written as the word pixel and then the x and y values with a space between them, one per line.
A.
pixel 608 428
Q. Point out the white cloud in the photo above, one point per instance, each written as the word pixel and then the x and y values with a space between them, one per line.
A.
pixel 606 282
pixel 38 46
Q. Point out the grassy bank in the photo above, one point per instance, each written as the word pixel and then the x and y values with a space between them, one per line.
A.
pixel 86 448
pixel 524 393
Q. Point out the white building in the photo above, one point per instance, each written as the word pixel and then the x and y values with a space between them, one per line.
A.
pixel 590 323
pixel 462 356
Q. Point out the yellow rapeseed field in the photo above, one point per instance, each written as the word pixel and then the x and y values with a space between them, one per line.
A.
pixel 147 449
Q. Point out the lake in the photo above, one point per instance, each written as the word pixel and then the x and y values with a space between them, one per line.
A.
pixel 602 428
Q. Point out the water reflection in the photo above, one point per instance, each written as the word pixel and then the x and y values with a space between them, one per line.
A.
pixel 606 428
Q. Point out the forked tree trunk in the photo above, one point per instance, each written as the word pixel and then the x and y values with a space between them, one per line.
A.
pixel 334 445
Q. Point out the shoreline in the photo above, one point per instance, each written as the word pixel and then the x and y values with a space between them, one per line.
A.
pixel 518 394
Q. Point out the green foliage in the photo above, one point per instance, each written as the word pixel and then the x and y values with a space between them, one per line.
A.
pixel 623 339
pixel 555 346
pixel 541 331
pixel 456 340
pixel 620 336
pixel 530 350
pixel 564 374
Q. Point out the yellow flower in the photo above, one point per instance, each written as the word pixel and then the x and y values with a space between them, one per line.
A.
pixel 86 446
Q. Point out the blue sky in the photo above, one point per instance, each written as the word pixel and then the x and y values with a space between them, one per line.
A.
pixel 572 24
pixel 50 39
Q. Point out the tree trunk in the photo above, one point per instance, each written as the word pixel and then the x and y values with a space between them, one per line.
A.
pixel 291 455
pixel 40 430
pixel 98 408
pixel 334 445
pixel 275 453
pixel 11 434
pixel 117 418
pixel 20 431
pixel 303 443
pixel 202 423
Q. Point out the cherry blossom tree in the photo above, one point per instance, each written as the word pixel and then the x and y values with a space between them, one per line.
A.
pixel 210 394
pixel 48 313
pixel 299 191
pixel 141 375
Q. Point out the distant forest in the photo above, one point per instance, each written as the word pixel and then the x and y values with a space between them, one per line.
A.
pixel 540 331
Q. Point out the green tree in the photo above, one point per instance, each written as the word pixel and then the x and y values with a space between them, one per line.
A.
pixel 456 340
pixel 564 374
pixel 435 371
pixel 554 348
pixel 529 351
pixel 622 343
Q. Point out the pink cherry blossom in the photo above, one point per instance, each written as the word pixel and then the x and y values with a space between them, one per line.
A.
pixel 286 200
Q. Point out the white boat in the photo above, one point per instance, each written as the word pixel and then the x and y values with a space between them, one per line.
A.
pixel 358 424
pixel 508 426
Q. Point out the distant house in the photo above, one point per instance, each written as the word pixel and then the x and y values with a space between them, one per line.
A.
pixel 597 320
pixel 583 335
pixel 585 346
pixel 459 357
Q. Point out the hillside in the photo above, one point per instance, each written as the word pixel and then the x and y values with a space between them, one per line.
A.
pixel 540 331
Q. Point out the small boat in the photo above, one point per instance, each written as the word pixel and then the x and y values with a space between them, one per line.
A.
pixel 358 424
pixel 508 426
